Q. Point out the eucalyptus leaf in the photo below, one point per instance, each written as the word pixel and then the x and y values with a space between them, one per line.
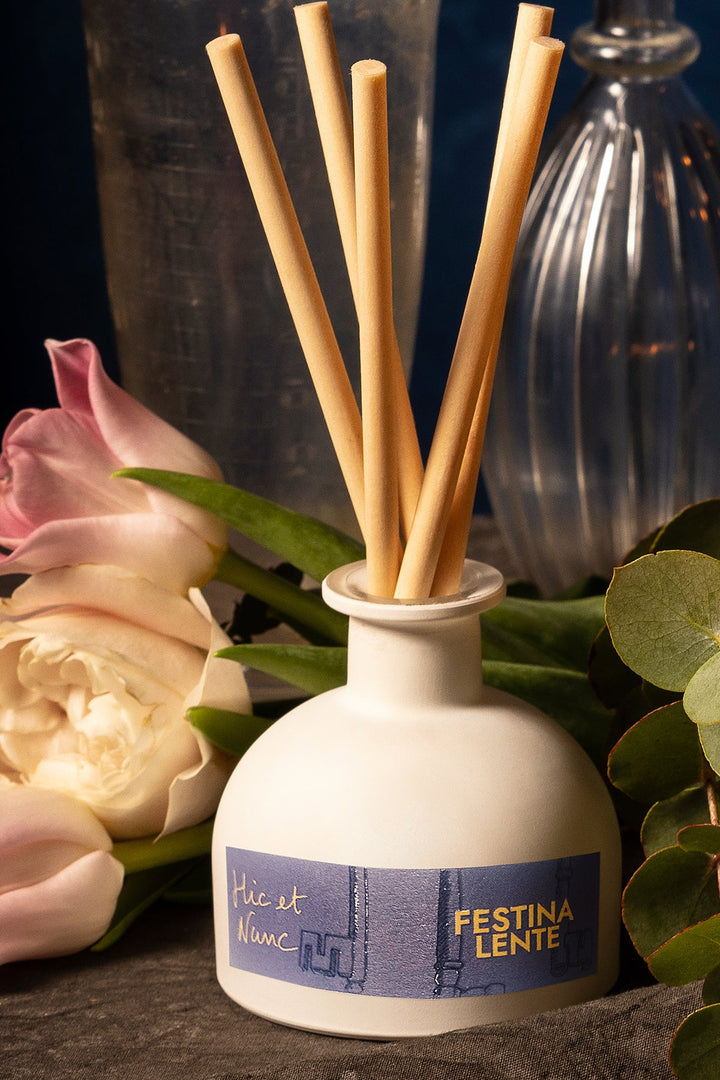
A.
pixel 670 891
pixel 695 1049
pixel 138 892
pixel 313 669
pixel 229 731
pixel 644 546
pixel 611 679
pixel 563 694
pixel 710 740
pixel 658 756
pixel 663 613
pixel 702 694
pixel 696 528
pixel 689 955
pixel 667 817
pixel 700 838
pixel 312 546
pixel 711 987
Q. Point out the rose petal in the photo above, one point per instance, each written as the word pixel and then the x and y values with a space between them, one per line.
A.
pixel 155 546
pixel 141 807
pixel 194 794
pixel 63 914
pixel 136 436
pixel 112 590
pixel 138 655
pixel 59 467
pixel 222 686
pixel 30 815
pixel 133 433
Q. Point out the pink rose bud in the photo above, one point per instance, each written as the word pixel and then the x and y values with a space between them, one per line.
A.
pixel 59 503
pixel 58 881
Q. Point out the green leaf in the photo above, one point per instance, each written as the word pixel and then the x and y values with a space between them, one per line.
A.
pixel 710 740
pixel 666 818
pixel 139 891
pixel 302 609
pixel 663 612
pixel 593 585
pixel 557 633
pixel 658 757
pixel 690 954
pixel 644 546
pixel 695 1049
pixel 313 669
pixel 229 731
pixel 611 679
pixel 700 838
pixel 696 528
pixel 309 544
pixel 147 852
pixel 670 891
pixel 702 694
pixel 711 987
pixel 195 887
pixel 563 694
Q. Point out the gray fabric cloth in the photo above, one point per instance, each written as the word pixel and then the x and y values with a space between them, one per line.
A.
pixel 150 1008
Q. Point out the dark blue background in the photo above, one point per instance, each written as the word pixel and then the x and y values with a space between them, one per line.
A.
pixel 53 253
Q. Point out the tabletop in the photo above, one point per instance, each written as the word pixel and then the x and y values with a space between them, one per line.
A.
pixel 150 1007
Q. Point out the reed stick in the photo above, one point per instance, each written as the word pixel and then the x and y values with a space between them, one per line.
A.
pixel 375 312
pixel 292 260
pixel 482 318
pixel 334 120
pixel 533 21
pixel 448 574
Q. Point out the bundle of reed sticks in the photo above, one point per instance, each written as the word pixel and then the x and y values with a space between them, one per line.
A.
pixel 415 519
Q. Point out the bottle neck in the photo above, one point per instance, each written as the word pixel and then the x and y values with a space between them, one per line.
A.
pixel 634 39
pixel 416 665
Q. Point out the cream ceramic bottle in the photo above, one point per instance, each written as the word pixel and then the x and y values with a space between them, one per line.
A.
pixel 414 852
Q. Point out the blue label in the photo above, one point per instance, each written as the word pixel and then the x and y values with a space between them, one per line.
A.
pixel 413 933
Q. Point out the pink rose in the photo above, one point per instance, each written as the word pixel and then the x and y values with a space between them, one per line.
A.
pixel 58 881
pixel 59 504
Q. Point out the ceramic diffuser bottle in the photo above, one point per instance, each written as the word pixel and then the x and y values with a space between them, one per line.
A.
pixel 603 422
pixel 414 852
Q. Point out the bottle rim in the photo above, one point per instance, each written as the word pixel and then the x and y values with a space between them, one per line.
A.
pixel 345 590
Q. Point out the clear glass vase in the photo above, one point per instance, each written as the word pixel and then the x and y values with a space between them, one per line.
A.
pixel 604 418
pixel 414 852
pixel 203 332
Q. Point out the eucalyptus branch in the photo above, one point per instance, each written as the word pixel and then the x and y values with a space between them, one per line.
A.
pixel 709 785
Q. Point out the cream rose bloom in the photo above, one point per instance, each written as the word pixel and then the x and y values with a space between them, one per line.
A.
pixel 97 670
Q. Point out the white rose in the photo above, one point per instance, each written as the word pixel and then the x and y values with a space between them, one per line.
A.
pixel 97 670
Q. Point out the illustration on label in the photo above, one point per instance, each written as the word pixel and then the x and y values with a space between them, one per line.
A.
pixel 413 933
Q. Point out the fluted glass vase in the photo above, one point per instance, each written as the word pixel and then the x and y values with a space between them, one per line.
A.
pixel 204 334
pixel 604 416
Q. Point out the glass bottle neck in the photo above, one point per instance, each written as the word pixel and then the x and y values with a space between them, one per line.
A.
pixel 634 39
